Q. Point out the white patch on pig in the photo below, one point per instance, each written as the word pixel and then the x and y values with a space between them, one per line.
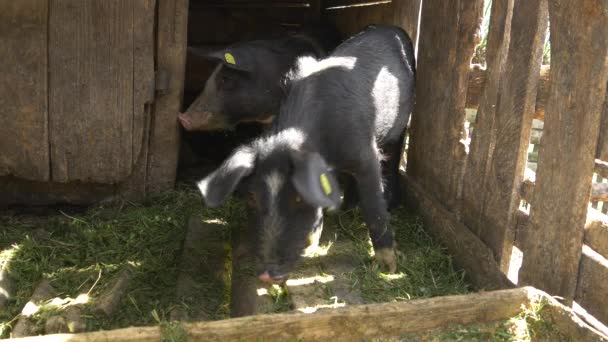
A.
pixel 274 182
pixel 386 101
pixel 243 157
pixel 292 138
pixel 306 66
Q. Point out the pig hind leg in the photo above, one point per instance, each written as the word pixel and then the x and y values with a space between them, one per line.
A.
pixel 375 214
pixel 390 172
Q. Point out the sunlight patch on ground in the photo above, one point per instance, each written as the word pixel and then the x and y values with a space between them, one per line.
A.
pixel 216 221
pixel 310 280
pixel 515 264
pixel 334 305
pixel 317 250
pixel 389 277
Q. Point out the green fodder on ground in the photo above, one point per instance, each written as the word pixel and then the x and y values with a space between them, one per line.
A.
pixel 77 251
pixel 84 253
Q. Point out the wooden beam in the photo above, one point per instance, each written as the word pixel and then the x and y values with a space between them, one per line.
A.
pixel 501 135
pixel 592 286
pixel 599 191
pixel 469 252
pixel 478 78
pixel 448 36
pixel 171 58
pixel 354 323
pixel 596 232
pixel 580 73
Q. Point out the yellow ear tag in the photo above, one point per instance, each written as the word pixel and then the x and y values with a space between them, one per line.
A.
pixel 325 184
pixel 229 58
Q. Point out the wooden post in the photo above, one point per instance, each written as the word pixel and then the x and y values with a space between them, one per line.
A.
pixel 447 38
pixel 171 61
pixel 602 143
pixel 510 133
pixel 477 83
pixel 473 192
pixel 579 72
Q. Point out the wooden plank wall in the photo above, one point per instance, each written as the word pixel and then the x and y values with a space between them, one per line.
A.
pixel 436 157
pixel 498 153
pixel 566 160
pixel 171 60
pixel 24 150
pixel 351 20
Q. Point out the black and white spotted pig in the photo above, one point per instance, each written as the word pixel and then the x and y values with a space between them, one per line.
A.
pixel 246 86
pixel 347 113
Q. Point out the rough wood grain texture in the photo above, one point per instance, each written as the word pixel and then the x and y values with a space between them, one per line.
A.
pixel 477 82
pixel 24 150
pixel 579 72
pixel 599 191
pixel 448 35
pixel 171 58
pixel 351 20
pixel 469 252
pixel 596 232
pixel 483 139
pixel 506 140
pixel 602 143
pixel 91 90
pixel 592 287
pixel 134 187
pixel 353 323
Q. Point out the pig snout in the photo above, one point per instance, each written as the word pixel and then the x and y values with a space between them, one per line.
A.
pixel 193 121
pixel 268 279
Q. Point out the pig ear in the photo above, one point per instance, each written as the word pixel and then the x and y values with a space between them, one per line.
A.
pixel 237 58
pixel 314 180
pixel 218 185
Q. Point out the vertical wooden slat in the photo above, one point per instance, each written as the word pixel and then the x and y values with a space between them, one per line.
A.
pixel 579 72
pixel 508 134
pixel 24 145
pixel 512 127
pixel 602 143
pixel 143 95
pixel 483 139
pixel 446 43
pixel 405 14
pixel 171 58
pixel 91 90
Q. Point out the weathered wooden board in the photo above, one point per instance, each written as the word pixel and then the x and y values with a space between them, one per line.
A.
pixel 602 143
pixel 596 232
pixel 351 20
pixel 508 136
pixel 469 252
pixel 592 287
pixel 351 323
pixel 482 141
pixel 24 144
pixel 478 78
pixel 171 59
pixel 579 74
pixel 447 38
pixel 93 129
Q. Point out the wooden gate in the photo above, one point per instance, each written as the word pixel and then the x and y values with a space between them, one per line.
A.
pixel 78 85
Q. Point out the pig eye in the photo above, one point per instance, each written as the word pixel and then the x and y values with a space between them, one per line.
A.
pixel 298 199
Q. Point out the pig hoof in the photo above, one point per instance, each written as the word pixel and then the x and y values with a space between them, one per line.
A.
pixel 388 258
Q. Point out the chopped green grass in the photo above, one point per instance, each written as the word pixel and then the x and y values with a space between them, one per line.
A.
pixel 74 250
pixel 424 268
pixel 84 253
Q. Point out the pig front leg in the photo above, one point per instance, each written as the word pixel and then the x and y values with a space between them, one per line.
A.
pixel 375 214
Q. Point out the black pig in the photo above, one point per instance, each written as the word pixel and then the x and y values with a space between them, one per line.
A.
pixel 246 86
pixel 345 113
